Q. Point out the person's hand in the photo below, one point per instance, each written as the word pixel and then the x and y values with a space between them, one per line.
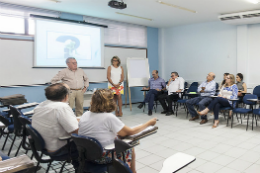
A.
pixel 84 90
pixel 219 95
pixel 157 89
pixel 202 91
pixel 116 86
pixel 240 94
pixel 144 88
pixel 152 122
pixel 203 88
pixel 178 91
pixel 170 79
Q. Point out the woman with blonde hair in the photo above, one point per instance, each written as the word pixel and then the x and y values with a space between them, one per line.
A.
pixel 115 77
pixel 228 91
pixel 101 124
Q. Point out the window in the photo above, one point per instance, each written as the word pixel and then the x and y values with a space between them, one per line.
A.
pixel 12 25
pixel 31 27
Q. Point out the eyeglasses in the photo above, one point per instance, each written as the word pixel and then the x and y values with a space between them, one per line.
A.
pixel 115 60
pixel 73 62
pixel 172 76
pixel 228 78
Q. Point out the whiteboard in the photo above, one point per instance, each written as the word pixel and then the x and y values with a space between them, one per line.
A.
pixel 17 62
pixel 137 72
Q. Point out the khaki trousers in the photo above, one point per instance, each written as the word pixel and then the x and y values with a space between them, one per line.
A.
pixel 76 97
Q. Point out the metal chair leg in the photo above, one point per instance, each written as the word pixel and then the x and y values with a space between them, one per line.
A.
pixel 63 165
pixel 11 145
pixel 18 149
pixel 5 141
pixel 49 165
pixel 247 121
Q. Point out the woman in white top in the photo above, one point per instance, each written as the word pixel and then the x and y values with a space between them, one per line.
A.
pixel 228 91
pixel 101 124
pixel 115 77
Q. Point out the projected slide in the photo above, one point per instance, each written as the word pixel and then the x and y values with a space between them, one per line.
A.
pixel 55 42
pixel 77 46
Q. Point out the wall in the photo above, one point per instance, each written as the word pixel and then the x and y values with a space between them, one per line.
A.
pixel 36 93
pixel 195 50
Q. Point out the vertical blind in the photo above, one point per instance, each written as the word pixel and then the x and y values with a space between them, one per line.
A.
pixel 120 33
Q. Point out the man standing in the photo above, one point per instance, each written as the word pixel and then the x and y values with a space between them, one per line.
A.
pixel 78 82
pixel 206 89
pixel 156 85
pixel 174 86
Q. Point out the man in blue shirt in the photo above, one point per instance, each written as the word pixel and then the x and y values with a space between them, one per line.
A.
pixel 206 89
pixel 156 85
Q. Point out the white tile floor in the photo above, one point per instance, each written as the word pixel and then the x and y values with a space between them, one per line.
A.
pixel 220 150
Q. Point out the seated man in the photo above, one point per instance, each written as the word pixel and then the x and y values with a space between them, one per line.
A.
pixel 156 85
pixel 54 118
pixel 206 89
pixel 174 86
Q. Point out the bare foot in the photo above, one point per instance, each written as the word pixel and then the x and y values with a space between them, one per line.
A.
pixel 117 113
pixel 215 124
pixel 120 114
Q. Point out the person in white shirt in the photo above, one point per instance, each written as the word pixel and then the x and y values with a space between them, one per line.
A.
pixel 54 118
pixel 174 86
pixel 101 124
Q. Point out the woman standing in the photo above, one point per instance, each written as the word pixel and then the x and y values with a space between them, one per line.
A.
pixel 115 77
pixel 241 85
pixel 229 91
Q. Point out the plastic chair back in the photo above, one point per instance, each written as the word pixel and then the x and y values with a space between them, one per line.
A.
pixel 194 84
pixel 249 96
pixel 36 139
pixel 18 127
pixel 256 91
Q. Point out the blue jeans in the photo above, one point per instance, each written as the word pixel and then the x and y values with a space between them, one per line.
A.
pixel 63 154
pixel 150 96
pixel 216 104
pixel 202 101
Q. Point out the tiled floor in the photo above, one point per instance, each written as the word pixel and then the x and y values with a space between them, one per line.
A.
pixel 220 150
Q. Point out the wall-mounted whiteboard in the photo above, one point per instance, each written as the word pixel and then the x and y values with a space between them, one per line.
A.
pixel 17 62
pixel 137 72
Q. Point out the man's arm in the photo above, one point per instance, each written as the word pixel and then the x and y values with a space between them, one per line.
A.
pixel 210 88
pixel 58 77
pixel 199 88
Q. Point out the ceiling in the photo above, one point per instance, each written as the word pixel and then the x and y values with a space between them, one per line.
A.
pixel 162 15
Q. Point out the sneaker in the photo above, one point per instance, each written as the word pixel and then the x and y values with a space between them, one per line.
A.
pixel 140 106
pixel 150 112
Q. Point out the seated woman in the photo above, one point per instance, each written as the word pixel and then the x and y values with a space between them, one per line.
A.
pixel 229 91
pixel 242 88
pixel 101 124
pixel 224 80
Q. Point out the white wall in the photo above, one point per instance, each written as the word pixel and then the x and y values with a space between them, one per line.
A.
pixel 195 50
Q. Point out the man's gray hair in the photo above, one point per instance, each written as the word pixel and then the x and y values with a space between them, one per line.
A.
pixel 68 59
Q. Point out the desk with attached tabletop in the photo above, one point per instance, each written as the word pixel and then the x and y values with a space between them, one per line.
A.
pixel 87 98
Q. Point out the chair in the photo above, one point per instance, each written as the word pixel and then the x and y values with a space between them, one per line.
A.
pixel 89 150
pixel 244 110
pixel 38 145
pixel 10 128
pixel 194 84
pixel 18 128
pixel 256 91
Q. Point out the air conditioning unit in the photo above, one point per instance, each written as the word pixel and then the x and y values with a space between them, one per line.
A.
pixel 242 18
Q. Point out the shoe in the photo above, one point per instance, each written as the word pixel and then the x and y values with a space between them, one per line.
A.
pixel 215 124
pixel 140 106
pixel 163 112
pixel 194 118
pixel 204 121
pixel 169 113
pixel 150 112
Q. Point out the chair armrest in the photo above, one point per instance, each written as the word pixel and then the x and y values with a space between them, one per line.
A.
pixel 64 138
pixel 126 141
pixel 253 100
pixel 28 105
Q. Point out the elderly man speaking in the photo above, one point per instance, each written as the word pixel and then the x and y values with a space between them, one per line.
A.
pixel 78 82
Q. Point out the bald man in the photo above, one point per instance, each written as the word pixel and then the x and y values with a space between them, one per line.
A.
pixel 206 89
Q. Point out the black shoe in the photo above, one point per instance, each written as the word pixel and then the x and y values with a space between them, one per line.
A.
pixel 163 112
pixel 169 113
pixel 150 112
pixel 140 106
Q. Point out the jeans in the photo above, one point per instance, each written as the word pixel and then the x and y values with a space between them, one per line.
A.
pixel 63 154
pixel 202 101
pixel 170 99
pixel 216 104
pixel 150 97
